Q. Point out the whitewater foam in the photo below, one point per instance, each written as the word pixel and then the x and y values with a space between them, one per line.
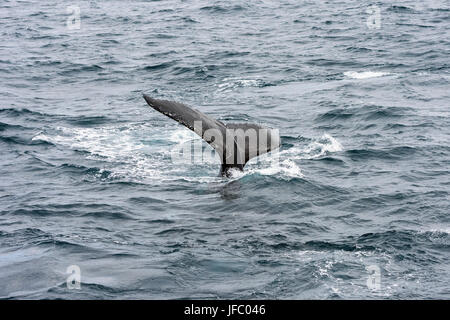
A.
pixel 129 156
pixel 232 83
pixel 365 74
pixel 320 147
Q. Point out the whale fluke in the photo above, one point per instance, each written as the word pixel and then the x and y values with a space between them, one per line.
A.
pixel 236 143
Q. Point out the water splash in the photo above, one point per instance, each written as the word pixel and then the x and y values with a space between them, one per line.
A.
pixel 283 165
pixel 285 169
pixel 320 147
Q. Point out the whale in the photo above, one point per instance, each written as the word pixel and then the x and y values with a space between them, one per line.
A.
pixel 235 143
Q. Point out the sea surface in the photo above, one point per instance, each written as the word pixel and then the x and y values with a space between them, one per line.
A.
pixel 355 205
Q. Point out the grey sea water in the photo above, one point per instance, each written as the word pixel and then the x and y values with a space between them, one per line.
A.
pixel 354 206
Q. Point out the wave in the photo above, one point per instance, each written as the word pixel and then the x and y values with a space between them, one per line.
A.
pixel 234 83
pixel 317 148
pixel 23 141
pixel 79 68
pixel 435 232
pixel 6 126
pixel 159 66
pixel 79 210
pixel 367 113
pixel 223 9
pixel 365 74
pixel 270 166
pixel 21 111
pixel 393 153
pixel 401 9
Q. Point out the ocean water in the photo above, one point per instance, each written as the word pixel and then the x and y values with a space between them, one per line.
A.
pixel 355 205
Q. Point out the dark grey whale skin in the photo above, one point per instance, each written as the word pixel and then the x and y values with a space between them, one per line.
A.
pixel 243 150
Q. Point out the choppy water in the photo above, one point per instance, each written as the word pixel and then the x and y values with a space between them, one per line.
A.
pixel 362 180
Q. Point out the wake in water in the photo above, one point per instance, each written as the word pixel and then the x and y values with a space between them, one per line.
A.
pixel 139 153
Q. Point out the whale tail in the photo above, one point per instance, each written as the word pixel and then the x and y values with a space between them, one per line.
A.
pixel 236 143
